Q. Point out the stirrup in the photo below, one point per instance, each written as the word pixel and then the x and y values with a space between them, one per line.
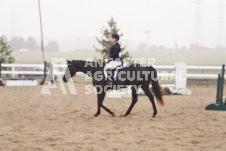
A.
pixel 110 82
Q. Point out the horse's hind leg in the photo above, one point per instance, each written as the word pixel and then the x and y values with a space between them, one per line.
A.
pixel 134 101
pixel 151 98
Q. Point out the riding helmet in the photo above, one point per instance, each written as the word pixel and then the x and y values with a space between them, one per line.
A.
pixel 116 36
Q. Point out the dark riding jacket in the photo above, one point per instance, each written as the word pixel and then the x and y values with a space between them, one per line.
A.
pixel 115 53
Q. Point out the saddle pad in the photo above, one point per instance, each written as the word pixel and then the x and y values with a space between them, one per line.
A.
pixel 115 73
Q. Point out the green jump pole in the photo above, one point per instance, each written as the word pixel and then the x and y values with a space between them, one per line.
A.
pixel 222 84
pixel 218 88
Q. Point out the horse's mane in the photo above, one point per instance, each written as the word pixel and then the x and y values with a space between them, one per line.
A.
pixel 82 63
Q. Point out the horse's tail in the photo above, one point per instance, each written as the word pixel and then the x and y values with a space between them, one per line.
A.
pixel 156 88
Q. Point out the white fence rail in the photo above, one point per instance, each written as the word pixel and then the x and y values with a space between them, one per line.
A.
pixel 15 70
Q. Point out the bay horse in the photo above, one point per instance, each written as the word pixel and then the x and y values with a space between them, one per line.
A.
pixel 135 75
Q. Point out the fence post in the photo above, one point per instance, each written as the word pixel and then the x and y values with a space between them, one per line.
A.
pixel 1 84
pixel 13 70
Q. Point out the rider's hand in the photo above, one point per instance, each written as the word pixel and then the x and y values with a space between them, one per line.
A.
pixel 105 60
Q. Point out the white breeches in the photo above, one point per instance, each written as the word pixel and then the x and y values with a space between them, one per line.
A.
pixel 113 64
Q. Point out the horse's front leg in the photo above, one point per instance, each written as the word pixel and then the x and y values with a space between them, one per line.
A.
pixel 100 98
pixel 100 104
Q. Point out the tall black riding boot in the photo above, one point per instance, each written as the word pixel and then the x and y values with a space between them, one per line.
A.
pixel 111 77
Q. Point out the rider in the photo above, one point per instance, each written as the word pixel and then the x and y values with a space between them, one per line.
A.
pixel 114 59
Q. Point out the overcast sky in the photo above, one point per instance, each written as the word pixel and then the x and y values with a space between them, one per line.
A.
pixel 73 22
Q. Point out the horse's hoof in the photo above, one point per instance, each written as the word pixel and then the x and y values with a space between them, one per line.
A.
pixel 154 115
pixel 126 115
pixel 96 114
pixel 113 114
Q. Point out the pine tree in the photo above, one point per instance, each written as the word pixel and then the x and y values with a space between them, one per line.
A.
pixel 105 40
pixel 52 46
pixel 31 44
pixel 5 52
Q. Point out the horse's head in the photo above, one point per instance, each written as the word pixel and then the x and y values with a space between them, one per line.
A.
pixel 70 71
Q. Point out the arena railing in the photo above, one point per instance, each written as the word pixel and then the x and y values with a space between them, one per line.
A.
pixel 13 70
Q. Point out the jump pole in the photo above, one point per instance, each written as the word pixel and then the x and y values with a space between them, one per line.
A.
pixel 222 84
pixel 220 105
pixel 51 73
pixel 44 74
pixel 218 89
